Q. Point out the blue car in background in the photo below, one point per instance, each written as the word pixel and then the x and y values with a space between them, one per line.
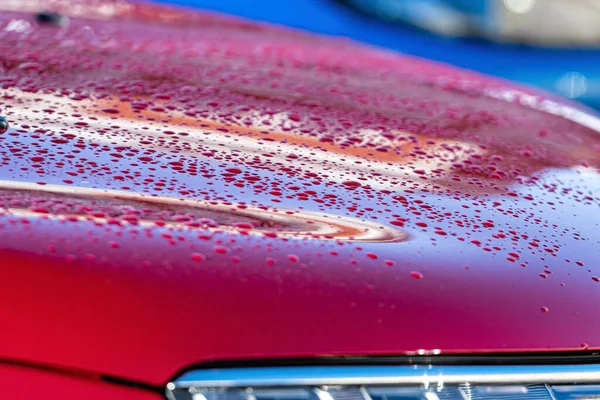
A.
pixel 548 44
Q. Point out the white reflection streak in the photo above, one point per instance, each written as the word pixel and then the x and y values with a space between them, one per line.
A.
pixel 338 167
pixel 313 224
pixel 519 6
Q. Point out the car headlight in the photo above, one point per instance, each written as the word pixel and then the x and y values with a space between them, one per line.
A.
pixel 540 382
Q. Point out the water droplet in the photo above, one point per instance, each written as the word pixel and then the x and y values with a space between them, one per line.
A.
pixel 3 125
pixel 221 250
pixel 416 274
pixel 351 184
pixel 198 257
pixel 50 18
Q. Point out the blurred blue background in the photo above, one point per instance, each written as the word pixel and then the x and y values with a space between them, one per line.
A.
pixel 571 72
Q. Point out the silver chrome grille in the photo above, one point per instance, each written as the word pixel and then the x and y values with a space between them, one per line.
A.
pixel 541 382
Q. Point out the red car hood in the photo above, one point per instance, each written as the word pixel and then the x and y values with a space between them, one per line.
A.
pixel 179 187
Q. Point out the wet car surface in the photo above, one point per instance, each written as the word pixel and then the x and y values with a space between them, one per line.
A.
pixel 179 188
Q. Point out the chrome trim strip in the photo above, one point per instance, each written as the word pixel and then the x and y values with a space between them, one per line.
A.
pixel 364 393
pixel 550 392
pixel 386 375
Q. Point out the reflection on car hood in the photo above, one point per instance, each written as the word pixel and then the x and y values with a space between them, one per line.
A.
pixel 179 187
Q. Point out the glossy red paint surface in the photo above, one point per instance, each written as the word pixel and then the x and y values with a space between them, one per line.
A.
pixel 19 382
pixel 180 188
